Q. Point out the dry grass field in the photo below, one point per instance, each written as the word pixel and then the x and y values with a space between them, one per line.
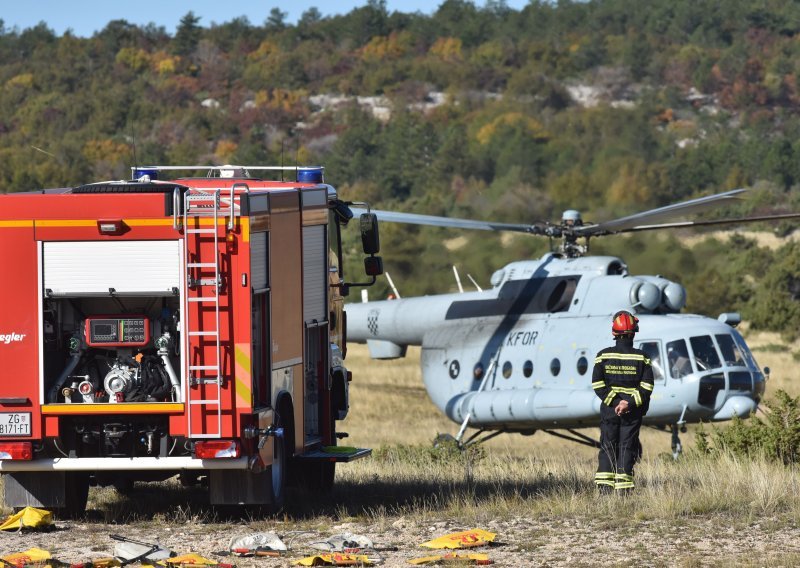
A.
pixel 390 405
pixel 536 492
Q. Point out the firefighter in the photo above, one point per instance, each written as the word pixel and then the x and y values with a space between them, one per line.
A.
pixel 623 379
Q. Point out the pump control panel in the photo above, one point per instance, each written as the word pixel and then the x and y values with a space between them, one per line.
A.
pixel 117 331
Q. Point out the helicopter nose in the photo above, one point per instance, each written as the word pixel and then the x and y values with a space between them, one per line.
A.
pixel 740 406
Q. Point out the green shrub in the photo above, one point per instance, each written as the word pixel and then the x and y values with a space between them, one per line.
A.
pixel 443 451
pixel 776 437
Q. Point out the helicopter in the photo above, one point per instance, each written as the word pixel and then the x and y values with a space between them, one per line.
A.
pixel 518 357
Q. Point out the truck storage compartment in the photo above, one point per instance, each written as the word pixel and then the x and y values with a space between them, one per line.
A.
pixel 111 320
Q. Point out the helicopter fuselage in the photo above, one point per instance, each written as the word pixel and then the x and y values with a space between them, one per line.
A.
pixel 519 357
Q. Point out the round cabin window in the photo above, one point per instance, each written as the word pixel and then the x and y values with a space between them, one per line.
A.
pixel 477 372
pixel 527 369
pixel 555 367
pixel 583 365
pixel 507 369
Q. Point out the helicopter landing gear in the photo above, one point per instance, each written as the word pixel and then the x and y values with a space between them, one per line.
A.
pixel 474 439
pixel 677 447
pixel 576 437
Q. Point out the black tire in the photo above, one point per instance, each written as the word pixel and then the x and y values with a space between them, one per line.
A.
pixel 76 494
pixel 316 478
pixel 327 476
pixel 282 450
pixel 124 486
pixel 328 469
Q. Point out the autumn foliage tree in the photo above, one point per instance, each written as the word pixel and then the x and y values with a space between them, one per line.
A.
pixel 480 110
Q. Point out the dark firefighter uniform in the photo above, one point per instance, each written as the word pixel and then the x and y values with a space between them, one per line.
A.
pixel 621 372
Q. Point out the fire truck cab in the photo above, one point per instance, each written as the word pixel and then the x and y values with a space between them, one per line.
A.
pixel 192 326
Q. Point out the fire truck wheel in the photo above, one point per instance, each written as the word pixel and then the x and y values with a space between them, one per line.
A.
pixel 124 486
pixel 316 478
pixel 278 474
pixel 76 494
pixel 282 451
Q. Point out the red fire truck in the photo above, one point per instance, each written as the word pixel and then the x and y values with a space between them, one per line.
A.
pixel 191 326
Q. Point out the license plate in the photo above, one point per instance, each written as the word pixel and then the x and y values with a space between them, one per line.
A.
pixel 15 424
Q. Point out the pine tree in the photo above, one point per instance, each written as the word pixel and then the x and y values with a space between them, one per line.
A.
pixel 188 35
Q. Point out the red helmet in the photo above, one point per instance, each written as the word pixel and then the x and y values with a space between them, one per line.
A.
pixel 625 323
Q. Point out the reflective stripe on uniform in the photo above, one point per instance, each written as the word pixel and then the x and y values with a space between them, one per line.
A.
pixel 623 481
pixel 598 384
pixel 637 396
pixel 604 478
pixel 647 386
pixel 624 356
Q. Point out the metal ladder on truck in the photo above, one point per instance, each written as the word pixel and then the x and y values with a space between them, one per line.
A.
pixel 203 274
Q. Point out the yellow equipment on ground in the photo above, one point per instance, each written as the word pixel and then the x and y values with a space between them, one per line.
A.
pixel 28 518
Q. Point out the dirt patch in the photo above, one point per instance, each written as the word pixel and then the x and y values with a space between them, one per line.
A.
pixel 527 541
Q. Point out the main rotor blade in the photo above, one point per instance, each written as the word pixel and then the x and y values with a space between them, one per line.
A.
pixel 681 224
pixel 436 221
pixel 661 213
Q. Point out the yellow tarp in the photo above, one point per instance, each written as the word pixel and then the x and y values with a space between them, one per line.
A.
pixel 465 539
pixel 453 557
pixel 190 558
pixel 334 559
pixel 109 562
pixel 30 556
pixel 29 518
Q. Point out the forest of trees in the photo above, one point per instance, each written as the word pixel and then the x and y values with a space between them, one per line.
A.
pixel 698 96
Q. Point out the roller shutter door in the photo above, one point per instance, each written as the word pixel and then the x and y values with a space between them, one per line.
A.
pixel 314 274
pixel 129 267
pixel 258 261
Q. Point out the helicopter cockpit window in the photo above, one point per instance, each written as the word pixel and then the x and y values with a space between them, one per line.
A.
pixel 731 353
pixel 507 369
pixel 653 351
pixel 748 355
pixel 678 359
pixel 555 367
pixel 527 369
pixel 705 353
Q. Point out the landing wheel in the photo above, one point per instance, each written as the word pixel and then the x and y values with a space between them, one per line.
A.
pixel 677 448
pixel 444 440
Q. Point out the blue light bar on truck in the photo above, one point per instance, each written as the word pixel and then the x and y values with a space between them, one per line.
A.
pixel 150 172
pixel 309 175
